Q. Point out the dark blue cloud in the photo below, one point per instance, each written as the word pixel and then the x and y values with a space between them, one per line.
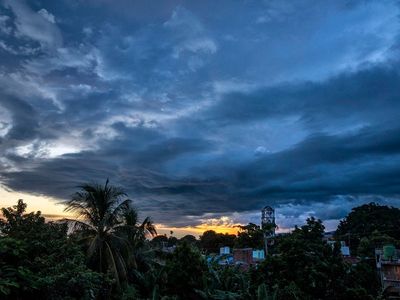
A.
pixel 203 109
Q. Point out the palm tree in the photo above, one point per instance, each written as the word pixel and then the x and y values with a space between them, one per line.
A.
pixel 105 224
pixel 136 233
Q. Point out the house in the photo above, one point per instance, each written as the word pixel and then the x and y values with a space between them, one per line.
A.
pixel 246 257
pixel 243 257
pixel 388 266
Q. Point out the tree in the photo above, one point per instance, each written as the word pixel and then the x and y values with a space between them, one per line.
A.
pixel 38 260
pixel 159 241
pixel 211 241
pixel 250 235
pixel 226 282
pixel 107 223
pixel 304 267
pixel 172 241
pixel 367 245
pixel 190 239
pixel 186 271
pixel 366 219
pixel 141 259
pixel 136 231
pixel 362 281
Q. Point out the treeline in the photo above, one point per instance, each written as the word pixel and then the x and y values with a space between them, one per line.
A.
pixel 210 241
pixel 106 254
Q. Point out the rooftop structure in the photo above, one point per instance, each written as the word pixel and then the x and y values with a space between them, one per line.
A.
pixel 268 220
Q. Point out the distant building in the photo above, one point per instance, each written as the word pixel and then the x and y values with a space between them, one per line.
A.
pixel 243 257
pixel 388 266
pixel 224 250
pixel 345 250
pixel 258 255
pixel 247 257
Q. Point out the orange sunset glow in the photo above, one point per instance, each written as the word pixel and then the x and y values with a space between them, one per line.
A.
pixel 52 209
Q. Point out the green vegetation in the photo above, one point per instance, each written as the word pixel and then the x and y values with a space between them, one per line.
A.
pixel 369 226
pixel 211 241
pixel 106 254
pixel 251 236
pixel 305 267
pixel 39 260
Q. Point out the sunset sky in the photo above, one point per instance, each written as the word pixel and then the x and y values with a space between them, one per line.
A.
pixel 204 111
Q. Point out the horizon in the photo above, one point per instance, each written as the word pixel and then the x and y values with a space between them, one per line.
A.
pixel 203 112
pixel 57 212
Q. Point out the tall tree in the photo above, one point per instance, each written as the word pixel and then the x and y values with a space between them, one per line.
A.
pixel 250 235
pixel 137 231
pixel 141 256
pixel 105 216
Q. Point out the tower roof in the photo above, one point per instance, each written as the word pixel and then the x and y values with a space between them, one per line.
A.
pixel 267 208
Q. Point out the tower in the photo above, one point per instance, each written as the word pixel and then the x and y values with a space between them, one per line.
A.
pixel 268 225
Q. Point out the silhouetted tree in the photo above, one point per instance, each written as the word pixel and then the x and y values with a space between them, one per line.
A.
pixel 211 241
pixel 159 240
pixel 250 235
pixel 102 210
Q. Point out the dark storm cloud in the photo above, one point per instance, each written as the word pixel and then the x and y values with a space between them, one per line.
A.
pixel 367 95
pixel 324 166
pixel 135 168
pixel 201 108
pixel 24 118
pixel 318 169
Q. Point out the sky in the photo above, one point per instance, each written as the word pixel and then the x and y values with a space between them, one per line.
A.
pixel 203 111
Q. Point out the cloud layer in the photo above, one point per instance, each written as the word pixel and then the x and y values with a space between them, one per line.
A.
pixel 204 110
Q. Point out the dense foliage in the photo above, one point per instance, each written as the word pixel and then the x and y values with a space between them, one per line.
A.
pixel 250 235
pixel 306 267
pixel 211 241
pixel 39 261
pixel 106 254
pixel 372 225
pixel 186 272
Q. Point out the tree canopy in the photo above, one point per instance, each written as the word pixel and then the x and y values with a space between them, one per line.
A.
pixel 370 221
pixel 39 261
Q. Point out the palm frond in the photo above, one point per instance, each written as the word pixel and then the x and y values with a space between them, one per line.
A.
pixel 76 225
pixel 149 227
